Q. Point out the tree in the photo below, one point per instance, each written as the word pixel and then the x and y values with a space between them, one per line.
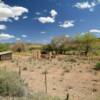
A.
pixel 47 48
pixel 60 44
pixel 86 42
pixel 18 47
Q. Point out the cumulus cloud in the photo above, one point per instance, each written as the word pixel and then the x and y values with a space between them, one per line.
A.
pixel 94 31
pixel 7 12
pixel 86 5
pixel 16 18
pixel 48 19
pixel 53 13
pixel 67 24
pixel 2 27
pixel 4 36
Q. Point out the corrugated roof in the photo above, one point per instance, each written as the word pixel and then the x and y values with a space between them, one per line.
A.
pixel 5 52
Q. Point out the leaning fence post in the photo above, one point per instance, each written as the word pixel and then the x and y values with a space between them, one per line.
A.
pixel 19 69
pixel 67 96
pixel 45 73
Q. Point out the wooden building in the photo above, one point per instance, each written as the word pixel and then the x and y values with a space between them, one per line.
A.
pixel 7 55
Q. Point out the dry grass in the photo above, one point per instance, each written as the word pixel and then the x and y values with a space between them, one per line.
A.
pixel 66 74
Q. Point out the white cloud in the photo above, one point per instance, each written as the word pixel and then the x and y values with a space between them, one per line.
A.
pixel 53 13
pixel 25 17
pixel 24 36
pixel 16 18
pixel 94 31
pixel 7 12
pixel 67 24
pixel 86 5
pixel 48 19
pixel 18 11
pixel 2 27
pixel 4 36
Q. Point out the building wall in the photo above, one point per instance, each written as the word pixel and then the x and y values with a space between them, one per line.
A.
pixel 6 56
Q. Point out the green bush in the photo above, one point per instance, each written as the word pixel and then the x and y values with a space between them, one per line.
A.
pixel 10 84
pixel 97 66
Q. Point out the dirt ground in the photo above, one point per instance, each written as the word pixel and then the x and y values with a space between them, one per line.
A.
pixel 65 74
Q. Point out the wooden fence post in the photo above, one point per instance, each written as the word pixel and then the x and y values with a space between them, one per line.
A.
pixel 50 55
pixel 67 96
pixel 19 69
pixel 45 73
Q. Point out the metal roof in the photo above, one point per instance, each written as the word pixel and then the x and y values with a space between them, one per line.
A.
pixel 5 52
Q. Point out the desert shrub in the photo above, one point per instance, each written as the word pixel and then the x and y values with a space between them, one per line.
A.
pixel 18 47
pixel 10 84
pixel 35 96
pixel 97 66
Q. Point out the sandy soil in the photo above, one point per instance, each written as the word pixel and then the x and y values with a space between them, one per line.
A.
pixel 65 74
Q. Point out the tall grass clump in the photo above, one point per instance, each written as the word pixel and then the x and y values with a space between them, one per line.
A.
pixel 40 96
pixel 10 84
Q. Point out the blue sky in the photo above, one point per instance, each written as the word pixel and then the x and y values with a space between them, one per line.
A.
pixel 38 21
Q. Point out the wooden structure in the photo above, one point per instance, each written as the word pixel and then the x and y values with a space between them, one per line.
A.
pixel 7 55
pixel 37 54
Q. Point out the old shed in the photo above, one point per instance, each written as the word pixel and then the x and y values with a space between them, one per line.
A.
pixel 7 55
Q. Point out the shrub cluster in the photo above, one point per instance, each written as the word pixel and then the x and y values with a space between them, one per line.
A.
pixel 97 66
pixel 10 84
